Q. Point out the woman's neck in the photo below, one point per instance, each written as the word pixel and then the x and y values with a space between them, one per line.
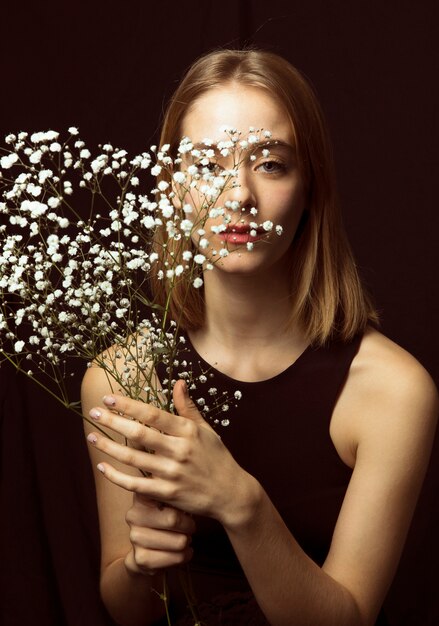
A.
pixel 248 332
pixel 254 309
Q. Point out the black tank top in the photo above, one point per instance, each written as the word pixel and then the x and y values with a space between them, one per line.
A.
pixel 278 432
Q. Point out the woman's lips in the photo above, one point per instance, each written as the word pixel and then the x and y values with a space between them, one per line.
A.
pixel 241 234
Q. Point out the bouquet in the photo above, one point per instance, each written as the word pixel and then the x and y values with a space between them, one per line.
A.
pixel 84 246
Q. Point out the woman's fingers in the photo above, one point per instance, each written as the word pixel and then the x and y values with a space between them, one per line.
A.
pixel 139 434
pixel 153 514
pixel 154 487
pixel 153 539
pixel 147 561
pixel 134 457
pixel 146 414
pixel 160 536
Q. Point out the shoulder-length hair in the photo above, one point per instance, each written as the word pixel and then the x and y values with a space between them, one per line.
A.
pixel 328 300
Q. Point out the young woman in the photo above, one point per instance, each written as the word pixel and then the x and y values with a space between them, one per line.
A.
pixel 298 513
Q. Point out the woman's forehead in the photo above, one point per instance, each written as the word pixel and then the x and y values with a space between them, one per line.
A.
pixel 236 106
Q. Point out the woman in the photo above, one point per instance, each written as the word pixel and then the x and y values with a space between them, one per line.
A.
pixel 313 484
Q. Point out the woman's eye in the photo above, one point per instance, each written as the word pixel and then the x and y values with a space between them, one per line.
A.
pixel 271 167
pixel 211 167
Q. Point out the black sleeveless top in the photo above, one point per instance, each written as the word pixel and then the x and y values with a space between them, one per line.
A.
pixel 278 432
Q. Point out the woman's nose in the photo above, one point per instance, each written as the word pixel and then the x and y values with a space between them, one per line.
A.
pixel 241 196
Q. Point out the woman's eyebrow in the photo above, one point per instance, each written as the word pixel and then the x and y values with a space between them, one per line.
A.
pixel 263 144
pixel 270 143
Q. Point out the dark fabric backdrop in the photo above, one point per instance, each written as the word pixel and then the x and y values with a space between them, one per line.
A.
pixel 109 68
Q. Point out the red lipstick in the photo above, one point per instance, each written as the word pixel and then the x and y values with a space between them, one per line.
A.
pixel 241 234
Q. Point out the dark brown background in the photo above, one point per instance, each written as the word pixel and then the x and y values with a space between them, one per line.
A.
pixel 108 68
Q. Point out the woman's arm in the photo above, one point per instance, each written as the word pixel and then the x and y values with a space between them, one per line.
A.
pixel 389 432
pixel 138 537
pixel 384 424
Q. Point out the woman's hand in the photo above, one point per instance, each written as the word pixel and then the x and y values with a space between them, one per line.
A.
pixel 160 536
pixel 190 469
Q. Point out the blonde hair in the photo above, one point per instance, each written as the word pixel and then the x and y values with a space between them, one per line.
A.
pixel 328 299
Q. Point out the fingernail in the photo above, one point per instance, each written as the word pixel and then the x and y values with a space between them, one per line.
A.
pixel 184 387
pixel 101 468
pixel 109 400
pixel 95 414
pixel 92 438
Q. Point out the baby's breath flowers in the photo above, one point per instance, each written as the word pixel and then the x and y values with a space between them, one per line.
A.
pixel 78 246
pixel 80 240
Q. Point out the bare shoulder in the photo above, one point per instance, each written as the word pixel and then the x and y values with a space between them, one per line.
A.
pixel 390 373
pixel 388 394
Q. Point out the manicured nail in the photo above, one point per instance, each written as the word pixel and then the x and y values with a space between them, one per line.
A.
pixel 95 414
pixel 101 468
pixel 109 400
pixel 92 438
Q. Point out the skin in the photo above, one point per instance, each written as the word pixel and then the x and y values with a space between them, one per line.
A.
pixel 382 426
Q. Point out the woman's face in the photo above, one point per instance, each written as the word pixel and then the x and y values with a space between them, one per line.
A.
pixel 271 183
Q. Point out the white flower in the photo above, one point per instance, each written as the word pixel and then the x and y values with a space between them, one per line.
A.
pixel 187 209
pixel 219 182
pixel 218 229
pixel 73 130
pixel 99 163
pixel 232 204
pixel 53 202
pixel 85 154
pixel 35 190
pixel 192 170
pixel 43 175
pixel 179 177
pixel 163 185
pixel 35 208
pixel 203 243
pixel 8 161
pixel 155 171
pixel 267 225
pixel 68 190
pixel 148 221
pixel 223 252
pixel 279 229
pixel 187 255
pixel 18 346
pixel 185 145
pixel 55 147
pixel 35 157
pixel 238 395
pixel 199 258
pixel 186 226
pixel 197 283
pixel 250 245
